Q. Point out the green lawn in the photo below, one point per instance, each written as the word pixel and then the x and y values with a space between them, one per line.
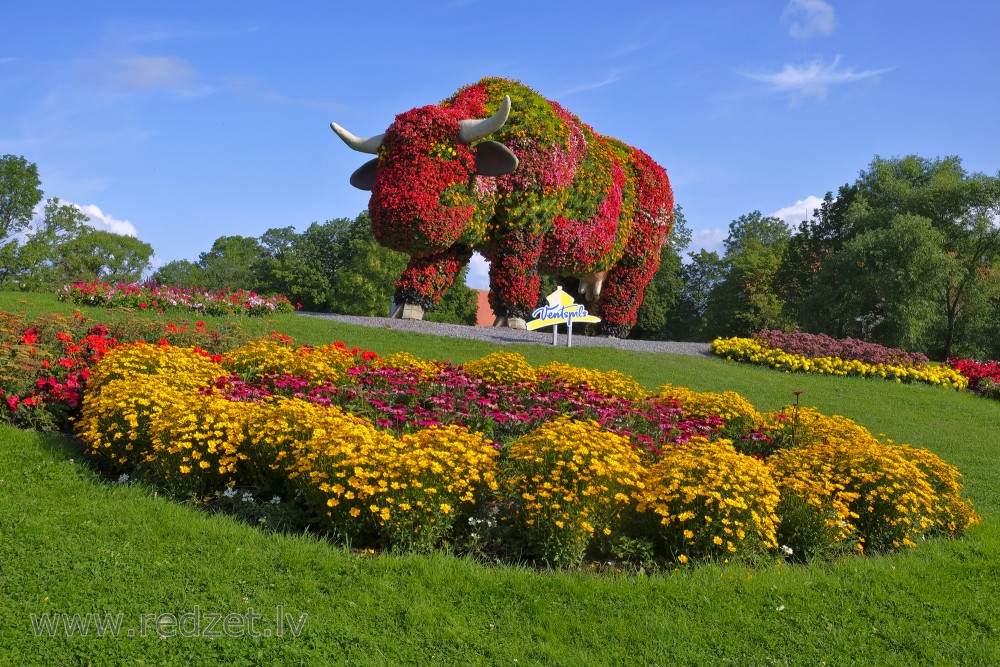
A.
pixel 72 543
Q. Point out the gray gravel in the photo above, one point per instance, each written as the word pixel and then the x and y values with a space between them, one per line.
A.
pixel 503 336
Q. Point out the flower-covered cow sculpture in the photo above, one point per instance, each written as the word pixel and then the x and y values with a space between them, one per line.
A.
pixel 499 169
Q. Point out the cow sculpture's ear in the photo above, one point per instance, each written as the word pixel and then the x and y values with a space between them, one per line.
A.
pixel 363 177
pixel 494 159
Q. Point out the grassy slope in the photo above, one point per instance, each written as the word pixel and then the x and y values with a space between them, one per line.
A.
pixel 71 543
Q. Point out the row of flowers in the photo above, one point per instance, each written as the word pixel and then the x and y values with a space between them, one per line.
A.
pixel 984 377
pixel 821 345
pixel 161 298
pixel 555 463
pixel 753 351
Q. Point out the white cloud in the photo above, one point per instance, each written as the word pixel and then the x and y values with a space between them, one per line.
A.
pixel 709 239
pixel 799 211
pixel 479 272
pixel 153 73
pixel 101 220
pixel 809 18
pixel 612 77
pixel 813 79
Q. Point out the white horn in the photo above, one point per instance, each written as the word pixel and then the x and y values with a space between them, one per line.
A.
pixel 481 127
pixel 369 145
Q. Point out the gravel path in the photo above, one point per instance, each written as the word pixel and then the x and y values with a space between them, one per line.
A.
pixel 503 336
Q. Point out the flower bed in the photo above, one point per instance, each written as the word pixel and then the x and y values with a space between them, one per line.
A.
pixel 531 463
pixel 983 377
pixel 816 346
pixel 47 360
pixel 162 298
pixel 751 351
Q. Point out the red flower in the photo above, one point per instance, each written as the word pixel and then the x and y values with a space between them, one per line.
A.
pixel 12 402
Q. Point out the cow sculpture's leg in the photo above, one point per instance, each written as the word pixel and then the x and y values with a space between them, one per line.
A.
pixel 627 281
pixel 514 281
pixel 426 278
pixel 622 295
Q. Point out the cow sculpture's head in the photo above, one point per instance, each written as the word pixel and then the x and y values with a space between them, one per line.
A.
pixel 423 179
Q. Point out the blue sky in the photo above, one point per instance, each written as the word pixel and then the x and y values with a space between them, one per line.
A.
pixel 183 121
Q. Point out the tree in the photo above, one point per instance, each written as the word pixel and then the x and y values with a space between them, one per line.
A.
pixel 231 263
pixel 745 300
pixel 62 248
pixel 963 208
pixel 807 250
pixel 365 279
pixel 97 253
pixel 883 284
pixel 664 291
pixel 699 279
pixel 35 265
pixel 459 303
pixel 180 273
pixel 286 267
pixel 19 194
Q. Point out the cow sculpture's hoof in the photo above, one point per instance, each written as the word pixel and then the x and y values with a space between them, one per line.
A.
pixel 409 311
pixel 510 323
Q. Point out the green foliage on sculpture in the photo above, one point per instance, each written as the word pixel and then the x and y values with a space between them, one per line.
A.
pixel 545 194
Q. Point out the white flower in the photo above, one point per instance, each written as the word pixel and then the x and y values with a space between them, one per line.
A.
pixel 247 497
pixel 230 492
pixel 123 478
pixel 787 549
pixel 276 500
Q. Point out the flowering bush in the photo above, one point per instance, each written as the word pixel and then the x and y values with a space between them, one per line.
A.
pixel 128 391
pixel 44 366
pixel 876 493
pixel 815 346
pixel 502 367
pixel 750 351
pixel 578 203
pixel 726 406
pixel 197 444
pixel 398 493
pixel 570 481
pixel 263 357
pixel 612 383
pixel 162 298
pixel 709 501
pixel 405 360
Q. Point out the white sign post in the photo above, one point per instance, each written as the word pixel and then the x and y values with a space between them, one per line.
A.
pixel 560 309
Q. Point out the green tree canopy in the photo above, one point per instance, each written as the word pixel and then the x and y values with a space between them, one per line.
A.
pixel 20 192
pixel 664 291
pixel 962 208
pixel 745 300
